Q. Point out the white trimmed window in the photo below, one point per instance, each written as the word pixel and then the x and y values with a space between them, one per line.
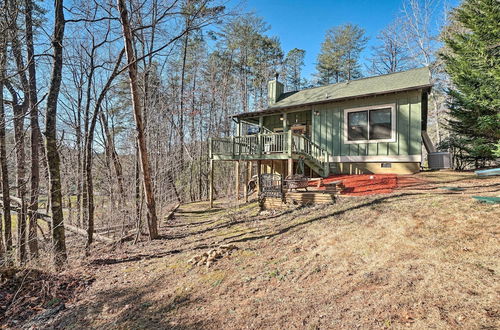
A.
pixel 370 124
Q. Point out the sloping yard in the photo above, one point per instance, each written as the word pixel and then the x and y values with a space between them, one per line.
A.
pixel 419 257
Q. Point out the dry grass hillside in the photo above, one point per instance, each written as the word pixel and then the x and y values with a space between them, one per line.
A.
pixel 421 257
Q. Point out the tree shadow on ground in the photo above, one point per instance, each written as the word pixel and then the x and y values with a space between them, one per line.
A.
pixel 265 232
pixel 273 229
pixel 322 217
pixel 129 309
pixel 192 224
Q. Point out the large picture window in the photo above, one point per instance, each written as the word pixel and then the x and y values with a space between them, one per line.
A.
pixel 370 124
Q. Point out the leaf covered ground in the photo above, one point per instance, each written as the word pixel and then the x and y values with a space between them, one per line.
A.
pixel 420 257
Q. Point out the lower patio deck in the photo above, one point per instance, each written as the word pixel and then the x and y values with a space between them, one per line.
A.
pixel 352 185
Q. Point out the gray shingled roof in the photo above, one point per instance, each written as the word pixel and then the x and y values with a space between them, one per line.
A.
pixel 400 81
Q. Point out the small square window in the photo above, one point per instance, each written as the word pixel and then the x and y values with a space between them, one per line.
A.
pixel 386 165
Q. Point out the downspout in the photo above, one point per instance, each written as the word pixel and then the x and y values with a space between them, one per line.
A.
pixel 429 146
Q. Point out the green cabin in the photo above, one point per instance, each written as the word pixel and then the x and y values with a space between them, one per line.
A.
pixel 370 125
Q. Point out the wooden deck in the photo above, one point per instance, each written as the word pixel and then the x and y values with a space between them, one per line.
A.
pixel 271 146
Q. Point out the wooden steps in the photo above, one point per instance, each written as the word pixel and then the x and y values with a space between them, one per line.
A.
pixel 300 198
pixel 273 204
pixel 312 197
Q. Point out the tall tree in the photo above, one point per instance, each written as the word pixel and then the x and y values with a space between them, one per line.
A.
pixel 53 160
pixel 329 65
pixel 472 59
pixel 19 111
pixel 35 132
pixel 138 116
pixel 352 41
pixel 340 51
pixel 391 54
pixel 254 55
pixel 88 149
pixel 267 61
pixel 6 245
pixel 419 20
pixel 294 62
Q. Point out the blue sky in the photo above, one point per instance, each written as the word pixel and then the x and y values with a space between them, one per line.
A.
pixel 303 23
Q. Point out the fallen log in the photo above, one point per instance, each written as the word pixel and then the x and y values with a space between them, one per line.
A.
pixel 111 228
pixel 80 231
pixel 171 213
pixel 47 218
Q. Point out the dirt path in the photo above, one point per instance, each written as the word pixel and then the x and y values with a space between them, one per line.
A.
pixel 420 257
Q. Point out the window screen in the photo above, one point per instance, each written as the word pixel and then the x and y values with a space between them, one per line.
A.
pixel 357 126
pixel 380 124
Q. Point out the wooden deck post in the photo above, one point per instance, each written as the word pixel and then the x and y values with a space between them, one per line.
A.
pixel 238 128
pixel 289 143
pixel 248 175
pixel 290 151
pixel 211 184
pixel 237 175
pixel 259 170
pixel 259 138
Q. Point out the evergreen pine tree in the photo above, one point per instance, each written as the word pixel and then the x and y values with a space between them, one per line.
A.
pixel 339 56
pixel 293 64
pixel 472 60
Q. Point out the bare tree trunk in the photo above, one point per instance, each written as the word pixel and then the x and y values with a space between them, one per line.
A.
pixel 20 180
pixel 53 160
pixel 88 151
pixel 141 141
pixel 35 134
pixel 137 192
pixel 19 111
pixel 3 157
pixel 113 155
pixel 181 101
pixel 79 174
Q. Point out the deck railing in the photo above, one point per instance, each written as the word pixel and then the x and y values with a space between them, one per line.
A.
pixel 274 143
pixel 269 145
pixel 258 144
pixel 221 146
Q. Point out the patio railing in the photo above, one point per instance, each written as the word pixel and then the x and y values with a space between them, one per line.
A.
pixel 270 146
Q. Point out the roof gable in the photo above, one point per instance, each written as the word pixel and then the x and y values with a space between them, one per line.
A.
pixel 387 83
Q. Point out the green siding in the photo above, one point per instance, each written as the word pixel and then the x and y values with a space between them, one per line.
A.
pixel 300 117
pixel 404 122
pixel 329 125
pixel 323 137
pixel 337 122
pixel 415 125
pixel 272 122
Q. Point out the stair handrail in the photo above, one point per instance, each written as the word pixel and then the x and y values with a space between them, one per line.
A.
pixel 321 157
pixel 322 151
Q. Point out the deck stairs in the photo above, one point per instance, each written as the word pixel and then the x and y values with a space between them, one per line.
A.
pixel 316 157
